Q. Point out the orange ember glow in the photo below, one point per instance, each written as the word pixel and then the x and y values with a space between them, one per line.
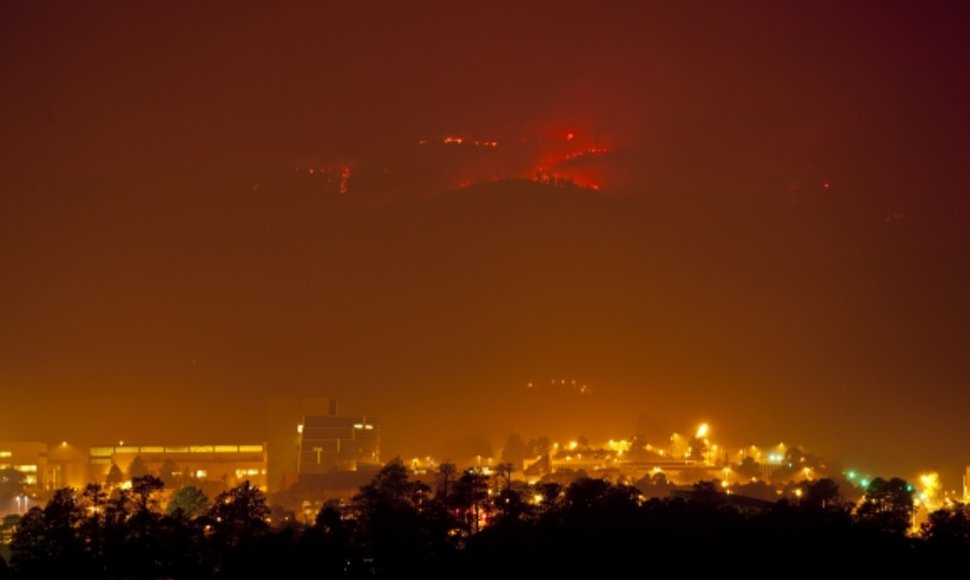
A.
pixel 344 179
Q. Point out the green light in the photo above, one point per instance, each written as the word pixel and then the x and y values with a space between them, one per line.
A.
pixel 851 475
pixel 864 482
pixel 909 487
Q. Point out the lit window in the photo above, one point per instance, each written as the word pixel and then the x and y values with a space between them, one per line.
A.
pixel 201 474
pixel 26 468
pixel 227 449
pixel 152 450
pixel 6 453
pixel 201 448
pixel 100 451
pixel 250 448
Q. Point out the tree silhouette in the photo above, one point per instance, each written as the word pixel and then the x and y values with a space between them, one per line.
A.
pixel 584 492
pixel 515 451
pixel 45 544
pixel 707 494
pixel 239 515
pixel 12 484
pixel 142 550
pixel 137 468
pixel 327 543
pixel 144 492
pixel 654 485
pixel 167 473
pixel 539 446
pixel 115 476
pixel 446 479
pixel 392 528
pixel 392 485
pixel 504 472
pixel 794 456
pixel 180 549
pixel 822 494
pixel 887 505
pixel 389 514
pixel 94 499
pixel 551 495
pixel 748 468
pixel 948 529
pixel 471 493
pixel 188 503
pixel 118 508
pixel 697 449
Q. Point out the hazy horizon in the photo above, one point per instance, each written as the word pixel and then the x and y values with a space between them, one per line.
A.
pixel 770 233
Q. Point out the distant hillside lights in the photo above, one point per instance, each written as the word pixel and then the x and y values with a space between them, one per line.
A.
pixel 339 176
pixel 685 460
pixel 457 159
pixel 460 140
pixel 572 384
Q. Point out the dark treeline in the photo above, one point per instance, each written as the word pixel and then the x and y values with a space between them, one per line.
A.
pixel 474 525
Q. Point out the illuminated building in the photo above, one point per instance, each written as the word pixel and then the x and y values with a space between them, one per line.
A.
pixel 29 458
pixel 335 443
pixel 283 418
pixel 211 467
pixel 308 437
pixel 46 467
pixel 67 466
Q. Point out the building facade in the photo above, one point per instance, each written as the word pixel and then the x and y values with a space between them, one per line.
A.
pixel 209 466
pixel 309 437
pixel 28 458
pixel 338 443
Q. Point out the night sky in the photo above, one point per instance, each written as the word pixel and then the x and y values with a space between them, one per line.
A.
pixel 771 234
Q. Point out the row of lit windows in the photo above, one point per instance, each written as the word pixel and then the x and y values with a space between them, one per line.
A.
pixel 6 453
pixel 241 473
pixel 132 450
pixel 21 468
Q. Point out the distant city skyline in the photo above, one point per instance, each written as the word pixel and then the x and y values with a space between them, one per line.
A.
pixel 747 214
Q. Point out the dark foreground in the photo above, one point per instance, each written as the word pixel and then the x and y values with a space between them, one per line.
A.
pixel 474 526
